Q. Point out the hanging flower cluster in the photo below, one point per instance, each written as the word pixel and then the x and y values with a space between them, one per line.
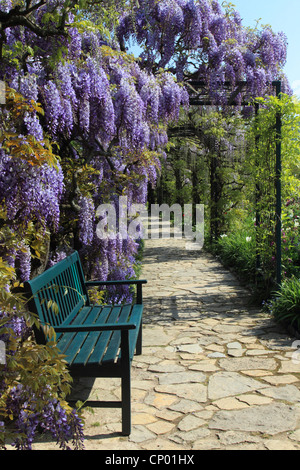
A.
pixel 198 39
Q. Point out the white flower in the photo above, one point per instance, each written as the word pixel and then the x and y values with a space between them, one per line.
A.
pixel 248 239
pixel 223 236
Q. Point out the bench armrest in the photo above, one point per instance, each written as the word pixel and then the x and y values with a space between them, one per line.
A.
pixel 110 283
pixel 94 327
pixel 138 282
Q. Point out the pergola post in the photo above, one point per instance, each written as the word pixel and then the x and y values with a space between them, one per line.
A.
pixel 277 84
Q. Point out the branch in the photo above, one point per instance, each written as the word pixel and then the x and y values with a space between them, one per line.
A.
pixel 18 17
pixel 16 11
pixel 42 32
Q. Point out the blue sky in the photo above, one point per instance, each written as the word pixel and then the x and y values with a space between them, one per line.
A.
pixel 282 15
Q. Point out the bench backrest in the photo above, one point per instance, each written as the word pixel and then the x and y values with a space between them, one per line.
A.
pixel 59 292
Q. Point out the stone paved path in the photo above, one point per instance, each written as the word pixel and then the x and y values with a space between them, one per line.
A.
pixel 215 373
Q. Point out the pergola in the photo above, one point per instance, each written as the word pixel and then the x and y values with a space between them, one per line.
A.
pixel 199 96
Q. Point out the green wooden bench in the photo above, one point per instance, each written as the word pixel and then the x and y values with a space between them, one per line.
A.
pixel 97 340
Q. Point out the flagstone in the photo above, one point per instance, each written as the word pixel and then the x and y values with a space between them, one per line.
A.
pixel 257 373
pixel 156 337
pixel 142 384
pixel 140 433
pixel 143 418
pixel 193 435
pixel 231 403
pixel 276 444
pixel 185 340
pixel 255 345
pixel 295 436
pixel 224 384
pixel 188 391
pixel 190 422
pixel 181 378
pixel 289 367
pixel 270 419
pixel 234 345
pixel 248 363
pixel 206 444
pixel 234 437
pixel 210 321
pixel 235 352
pixel 215 347
pixel 248 341
pixel 288 393
pixel 205 366
pixel 204 414
pixel 254 399
pixel 168 415
pixel 280 380
pixel 162 444
pixel 138 394
pixel 258 352
pixel 190 348
pixel 142 407
pixel 169 367
pixel 216 355
pixel 160 400
pixel 208 338
pixel 160 427
pixel 146 359
pixel 190 357
pixel 186 406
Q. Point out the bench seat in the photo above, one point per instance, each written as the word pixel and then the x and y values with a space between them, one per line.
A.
pixel 94 337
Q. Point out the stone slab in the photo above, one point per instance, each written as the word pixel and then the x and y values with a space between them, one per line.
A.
pixel 270 419
pixel 248 363
pixel 225 384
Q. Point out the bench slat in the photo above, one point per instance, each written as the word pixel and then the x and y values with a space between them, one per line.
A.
pixel 93 337
pixel 114 345
pixel 100 348
pixel 66 338
pixel 79 338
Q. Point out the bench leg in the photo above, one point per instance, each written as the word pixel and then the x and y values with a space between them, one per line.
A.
pixel 138 349
pixel 126 392
pixel 126 405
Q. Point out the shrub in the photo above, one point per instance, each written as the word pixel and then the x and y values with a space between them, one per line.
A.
pixel 285 306
pixel 237 250
pixel 291 238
